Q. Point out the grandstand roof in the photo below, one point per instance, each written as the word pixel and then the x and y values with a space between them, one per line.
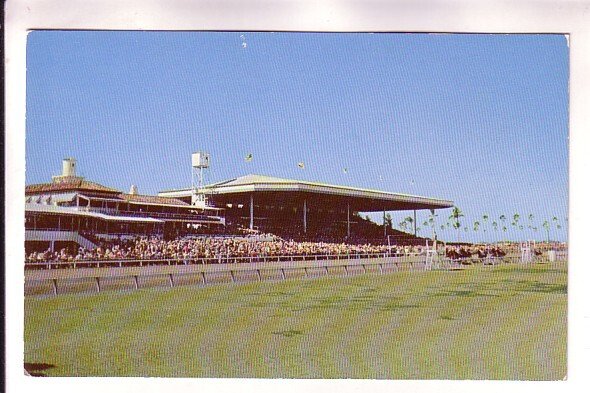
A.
pixel 359 198
pixel 153 200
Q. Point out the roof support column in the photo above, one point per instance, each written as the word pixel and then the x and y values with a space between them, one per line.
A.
pixel 348 219
pixel 384 225
pixel 433 225
pixel 252 211
pixel 305 216
pixel 415 225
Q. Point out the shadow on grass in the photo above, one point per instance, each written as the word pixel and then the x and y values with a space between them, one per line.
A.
pixel 537 286
pixel 36 369
pixel 530 270
pixel 288 333
pixel 363 302
pixel 462 293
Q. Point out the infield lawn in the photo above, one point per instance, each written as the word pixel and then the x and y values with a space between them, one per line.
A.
pixel 506 322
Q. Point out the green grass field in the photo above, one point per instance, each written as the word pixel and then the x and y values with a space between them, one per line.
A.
pixel 506 322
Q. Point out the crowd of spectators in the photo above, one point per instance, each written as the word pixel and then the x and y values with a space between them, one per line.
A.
pixel 143 248
pixel 247 246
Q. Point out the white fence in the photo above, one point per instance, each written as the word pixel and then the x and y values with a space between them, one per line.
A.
pixel 95 276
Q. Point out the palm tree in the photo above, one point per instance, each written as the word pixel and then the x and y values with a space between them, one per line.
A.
pixel 546 225
pixel 431 219
pixel 503 221
pixel 516 217
pixel 456 213
pixel 411 222
pixel 388 221
pixel 403 225
pixel 530 225
pixel 485 219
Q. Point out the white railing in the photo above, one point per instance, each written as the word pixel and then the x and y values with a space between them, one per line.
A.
pixel 210 260
pixel 441 261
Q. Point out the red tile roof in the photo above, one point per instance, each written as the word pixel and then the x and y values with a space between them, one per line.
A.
pixel 75 184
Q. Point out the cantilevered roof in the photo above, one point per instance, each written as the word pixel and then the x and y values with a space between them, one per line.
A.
pixel 362 199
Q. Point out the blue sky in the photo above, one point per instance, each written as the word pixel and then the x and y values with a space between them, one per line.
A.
pixel 478 119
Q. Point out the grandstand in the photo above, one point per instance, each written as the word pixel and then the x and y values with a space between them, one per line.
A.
pixel 304 210
pixel 72 212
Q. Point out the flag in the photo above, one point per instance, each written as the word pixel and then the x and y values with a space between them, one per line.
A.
pixel 301 165
pixel 248 157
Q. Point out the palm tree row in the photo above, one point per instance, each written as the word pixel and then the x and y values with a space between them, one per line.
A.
pixel 456 221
